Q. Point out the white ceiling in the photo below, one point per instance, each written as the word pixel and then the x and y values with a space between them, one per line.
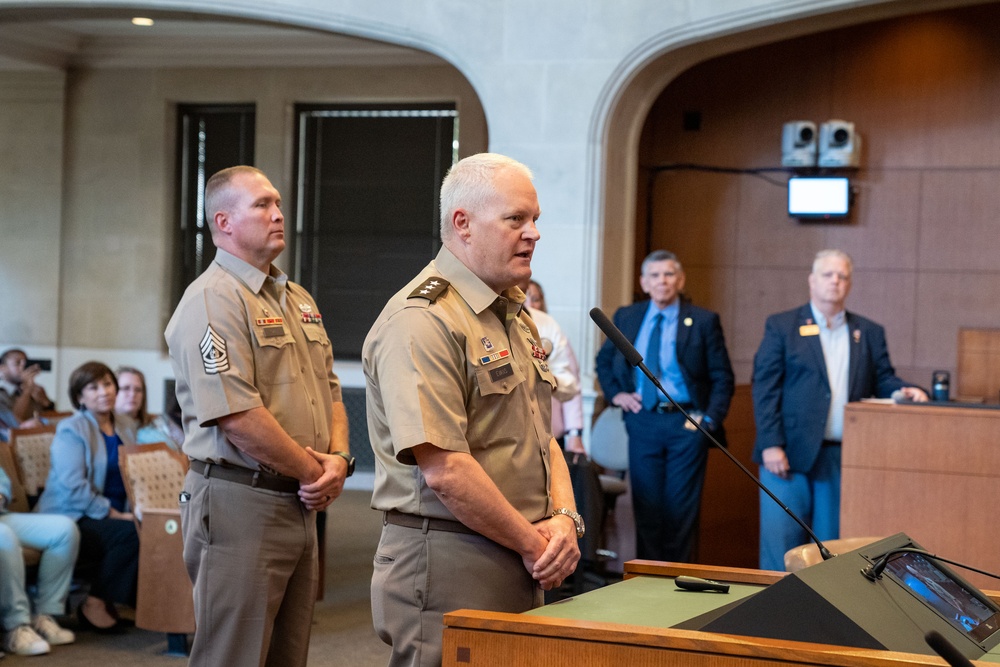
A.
pixel 35 40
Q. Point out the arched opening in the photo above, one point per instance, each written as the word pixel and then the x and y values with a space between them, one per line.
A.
pixel 91 159
pixel 921 90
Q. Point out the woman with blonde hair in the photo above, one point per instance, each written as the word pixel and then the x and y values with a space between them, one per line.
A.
pixel 131 401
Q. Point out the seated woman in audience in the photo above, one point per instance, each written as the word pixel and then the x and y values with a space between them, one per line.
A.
pixel 132 402
pixel 86 485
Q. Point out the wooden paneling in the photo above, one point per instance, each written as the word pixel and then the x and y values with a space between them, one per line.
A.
pixel 730 520
pixel 930 472
pixel 946 303
pixel 473 637
pixel 978 364
pixel 923 92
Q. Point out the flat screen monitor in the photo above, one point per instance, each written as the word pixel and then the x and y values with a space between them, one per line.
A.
pixel 949 595
pixel 819 197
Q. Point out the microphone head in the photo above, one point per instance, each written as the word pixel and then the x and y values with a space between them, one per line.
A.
pixel 948 651
pixel 616 337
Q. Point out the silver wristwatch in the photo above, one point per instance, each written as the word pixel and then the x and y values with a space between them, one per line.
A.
pixel 577 519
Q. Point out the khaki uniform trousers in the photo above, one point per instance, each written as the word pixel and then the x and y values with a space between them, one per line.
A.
pixel 422 574
pixel 251 555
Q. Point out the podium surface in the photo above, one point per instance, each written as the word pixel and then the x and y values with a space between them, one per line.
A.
pixel 629 623
pixel 930 471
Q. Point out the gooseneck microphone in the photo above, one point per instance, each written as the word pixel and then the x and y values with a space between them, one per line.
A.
pixel 946 650
pixel 633 357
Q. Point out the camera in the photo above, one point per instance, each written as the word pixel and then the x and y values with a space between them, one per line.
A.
pixel 43 364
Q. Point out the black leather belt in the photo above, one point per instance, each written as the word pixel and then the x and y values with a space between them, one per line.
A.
pixel 831 443
pixel 255 478
pixel 398 518
pixel 664 408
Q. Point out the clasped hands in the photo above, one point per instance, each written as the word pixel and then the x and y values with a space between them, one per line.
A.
pixel 561 553
pixel 320 494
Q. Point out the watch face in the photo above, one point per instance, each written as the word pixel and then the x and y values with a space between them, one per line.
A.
pixel 350 461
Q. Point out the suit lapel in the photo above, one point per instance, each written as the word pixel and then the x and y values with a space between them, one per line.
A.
pixel 812 342
pixel 683 330
pixel 631 322
pixel 854 357
pixel 631 325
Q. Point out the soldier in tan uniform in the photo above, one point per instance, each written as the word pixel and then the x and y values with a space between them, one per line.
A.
pixel 477 501
pixel 266 431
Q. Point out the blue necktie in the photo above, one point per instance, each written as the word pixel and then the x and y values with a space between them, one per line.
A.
pixel 650 394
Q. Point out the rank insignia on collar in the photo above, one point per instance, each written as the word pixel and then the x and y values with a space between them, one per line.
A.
pixel 430 289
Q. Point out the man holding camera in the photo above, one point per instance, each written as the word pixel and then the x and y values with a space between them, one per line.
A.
pixel 19 395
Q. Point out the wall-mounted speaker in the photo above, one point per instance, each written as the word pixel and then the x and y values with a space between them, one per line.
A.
pixel 798 144
pixel 839 144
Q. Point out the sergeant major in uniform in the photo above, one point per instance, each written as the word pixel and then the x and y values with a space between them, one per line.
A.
pixel 477 501
pixel 266 431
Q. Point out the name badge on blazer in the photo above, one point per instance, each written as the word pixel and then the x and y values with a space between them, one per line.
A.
pixel 809 330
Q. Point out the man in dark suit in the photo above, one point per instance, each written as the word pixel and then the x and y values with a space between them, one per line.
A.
pixel 812 361
pixel 684 347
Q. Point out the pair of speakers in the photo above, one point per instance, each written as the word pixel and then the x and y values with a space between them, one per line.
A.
pixel 837 144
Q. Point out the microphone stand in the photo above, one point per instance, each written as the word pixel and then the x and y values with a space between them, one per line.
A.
pixel 633 357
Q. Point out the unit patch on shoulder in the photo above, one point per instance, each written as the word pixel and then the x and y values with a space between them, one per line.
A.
pixel 213 352
pixel 430 289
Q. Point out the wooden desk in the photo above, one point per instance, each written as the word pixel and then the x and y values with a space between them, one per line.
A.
pixel 628 624
pixel 931 472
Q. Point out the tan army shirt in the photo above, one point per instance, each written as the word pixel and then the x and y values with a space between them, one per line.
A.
pixel 442 367
pixel 242 339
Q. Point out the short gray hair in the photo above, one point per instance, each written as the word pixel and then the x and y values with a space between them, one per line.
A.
pixel 660 256
pixel 218 194
pixel 840 254
pixel 470 184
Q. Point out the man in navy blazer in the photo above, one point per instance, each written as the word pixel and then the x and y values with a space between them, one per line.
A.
pixel 812 361
pixel 667 455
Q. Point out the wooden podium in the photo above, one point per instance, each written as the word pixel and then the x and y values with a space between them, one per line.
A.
pixel 630 623
pixel 930 471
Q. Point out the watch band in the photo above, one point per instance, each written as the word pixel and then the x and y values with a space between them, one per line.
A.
pixel 350 461
pixel 581 529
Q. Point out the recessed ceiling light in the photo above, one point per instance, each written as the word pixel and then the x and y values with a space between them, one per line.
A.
pixel 139 20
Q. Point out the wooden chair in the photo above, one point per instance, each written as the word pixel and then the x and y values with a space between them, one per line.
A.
pixel 154 477
pixel 19 500
pixel 32 447
pixel 53 417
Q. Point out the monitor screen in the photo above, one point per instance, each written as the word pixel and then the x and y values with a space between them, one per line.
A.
pixel 819 197
pixel 946 594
